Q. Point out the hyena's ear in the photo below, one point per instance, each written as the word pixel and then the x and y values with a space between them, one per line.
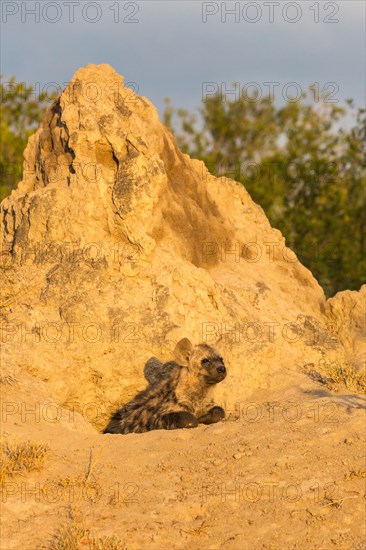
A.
pixel 183 351
pixel 152 370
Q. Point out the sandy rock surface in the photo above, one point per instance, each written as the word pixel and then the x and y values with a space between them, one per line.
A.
pixel 347 312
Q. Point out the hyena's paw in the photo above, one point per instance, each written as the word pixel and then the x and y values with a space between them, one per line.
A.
pixel 177 420
pixel 213 415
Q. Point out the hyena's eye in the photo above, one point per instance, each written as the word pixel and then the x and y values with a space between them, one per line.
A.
pixel 205 361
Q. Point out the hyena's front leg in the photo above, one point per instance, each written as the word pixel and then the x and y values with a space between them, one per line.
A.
pixel 215 414
pixel 180 419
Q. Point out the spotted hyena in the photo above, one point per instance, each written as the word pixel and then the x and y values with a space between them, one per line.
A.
pixel 178 394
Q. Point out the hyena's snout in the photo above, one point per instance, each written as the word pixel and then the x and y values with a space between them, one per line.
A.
pixel 220 372
pixel 215 370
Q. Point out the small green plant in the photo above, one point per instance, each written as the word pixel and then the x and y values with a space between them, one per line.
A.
pixel 108 543
pixel 18 458
pixel 339 373
pixel 355 473
pixel 347 375
pixel 69 537
pixel 74 536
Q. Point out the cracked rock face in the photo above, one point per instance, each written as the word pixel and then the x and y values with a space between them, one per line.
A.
pixel 116 245
pixel 347 314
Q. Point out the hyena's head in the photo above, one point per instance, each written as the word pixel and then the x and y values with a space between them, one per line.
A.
pixel 203 361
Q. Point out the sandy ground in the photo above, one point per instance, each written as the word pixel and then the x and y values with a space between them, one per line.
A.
pixel 277 474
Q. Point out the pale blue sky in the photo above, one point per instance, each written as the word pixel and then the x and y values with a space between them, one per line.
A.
pixel 170 51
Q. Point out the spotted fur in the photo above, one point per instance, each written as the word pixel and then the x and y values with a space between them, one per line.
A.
pixel 178 394
pixel 155 370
